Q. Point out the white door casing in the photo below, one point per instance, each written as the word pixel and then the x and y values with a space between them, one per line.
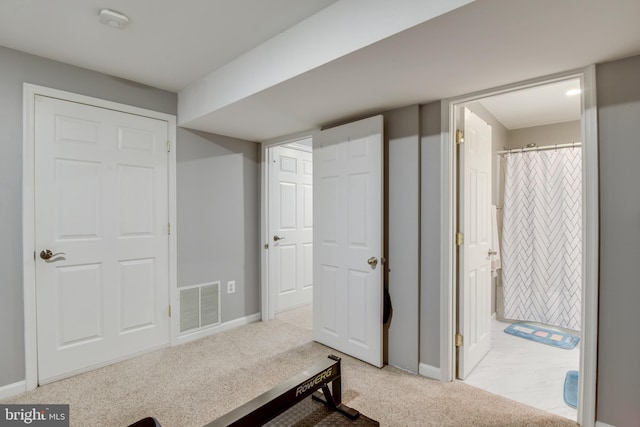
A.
pixel 348 231
pixel 101 198
pixel 474 294
pixel 291 227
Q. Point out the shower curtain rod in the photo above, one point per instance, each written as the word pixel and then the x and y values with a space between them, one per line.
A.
pixel 544 147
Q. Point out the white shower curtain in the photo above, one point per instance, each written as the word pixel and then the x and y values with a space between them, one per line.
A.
pixel 542 237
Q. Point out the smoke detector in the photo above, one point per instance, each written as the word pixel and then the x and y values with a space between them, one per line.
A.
pixel 113 19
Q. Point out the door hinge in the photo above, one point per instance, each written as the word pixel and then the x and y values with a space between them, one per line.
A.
pixel 459 340
pixel 168 146
pixel 169 311
pixel 169 229
pixel 459 137
pixel 459 239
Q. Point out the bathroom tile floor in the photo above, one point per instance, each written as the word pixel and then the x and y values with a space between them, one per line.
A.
pixel 526 371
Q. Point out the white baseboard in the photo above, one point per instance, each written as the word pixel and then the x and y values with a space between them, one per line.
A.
pixel 11 390
pixel 601 424
pixel 429 371
pixel 226 326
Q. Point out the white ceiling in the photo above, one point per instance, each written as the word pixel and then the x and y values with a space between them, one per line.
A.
pixel 167 44
pixel 540 105
pixel 181 46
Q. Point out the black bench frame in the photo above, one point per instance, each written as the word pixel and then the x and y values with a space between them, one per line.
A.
pixel 274 402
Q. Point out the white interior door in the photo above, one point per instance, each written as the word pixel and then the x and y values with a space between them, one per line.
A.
pixel 291 217
pixel 474 290
pixel 348 239
pixel 101 201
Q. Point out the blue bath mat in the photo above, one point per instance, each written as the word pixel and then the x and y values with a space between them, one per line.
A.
pixel 544 336
pixel 571 389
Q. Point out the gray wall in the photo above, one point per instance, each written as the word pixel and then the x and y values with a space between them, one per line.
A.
pixel 618 382
pixel 618 401
pixel 414 156
pixel 425 260
pixel 218 217
pixel 618 109
pixel 557 133
pixel 16 69
pixel 222 187
pixel 430 255
pixel 402 129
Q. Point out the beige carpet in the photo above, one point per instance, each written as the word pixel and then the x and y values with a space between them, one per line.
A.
pixel 192 384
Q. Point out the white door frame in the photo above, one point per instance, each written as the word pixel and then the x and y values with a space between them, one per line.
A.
pixel 267 306
pixel 589 332
pixel 28 212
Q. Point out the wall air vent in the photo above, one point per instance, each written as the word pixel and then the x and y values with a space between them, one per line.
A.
pixel 199 306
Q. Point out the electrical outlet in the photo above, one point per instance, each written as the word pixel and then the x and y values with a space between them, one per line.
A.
pixel 231 286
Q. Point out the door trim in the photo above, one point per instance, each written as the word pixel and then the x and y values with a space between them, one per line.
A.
pixel 589 332
pixel 28 212
pixel 267 305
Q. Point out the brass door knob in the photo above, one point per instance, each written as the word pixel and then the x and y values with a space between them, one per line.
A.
pixel 373 262
pixel 47 255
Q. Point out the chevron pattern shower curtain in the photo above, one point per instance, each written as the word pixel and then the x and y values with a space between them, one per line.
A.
pixel 542 237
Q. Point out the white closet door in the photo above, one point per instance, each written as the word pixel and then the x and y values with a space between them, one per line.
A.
pixel 101 202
